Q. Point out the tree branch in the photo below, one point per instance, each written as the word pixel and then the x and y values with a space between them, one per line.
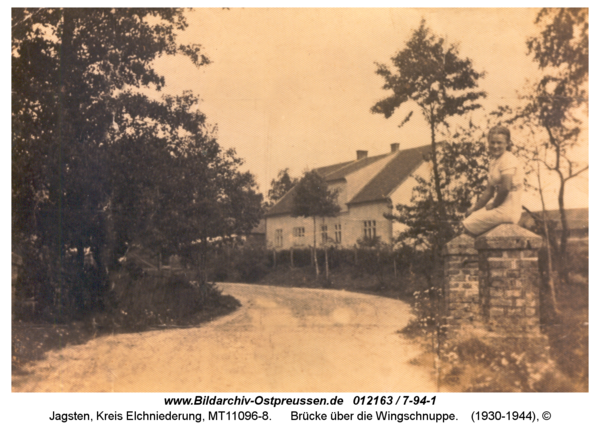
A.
pixel 577 173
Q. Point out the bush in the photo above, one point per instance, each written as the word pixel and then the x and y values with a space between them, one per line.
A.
pixel 155 299
pixel 251 263
pixel 480 363
pixel 302 258
pixel 49 291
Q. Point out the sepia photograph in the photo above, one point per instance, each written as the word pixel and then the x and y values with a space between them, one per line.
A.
pixel 299 200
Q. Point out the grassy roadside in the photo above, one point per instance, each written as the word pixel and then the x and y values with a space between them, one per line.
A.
pixel 474 360
pixel 343 278
pixel 32 338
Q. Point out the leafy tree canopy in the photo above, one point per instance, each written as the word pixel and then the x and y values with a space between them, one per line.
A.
pixel 97 166
pixel 430 72
pixel 312 197
pixel 280 186
pixel 563 42
pixel 555 107
pixel 463 168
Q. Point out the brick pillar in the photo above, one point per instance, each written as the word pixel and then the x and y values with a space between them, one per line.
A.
pixel 509 279
pixel 461 285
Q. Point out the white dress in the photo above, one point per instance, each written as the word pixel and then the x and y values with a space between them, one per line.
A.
pixel 510 210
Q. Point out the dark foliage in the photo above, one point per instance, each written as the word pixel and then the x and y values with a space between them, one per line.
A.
pixel 313 199
pixel 430 73
pixel 555 106
pixel 463 174
pixel 97 167
pixel 280 186
pixel 155 299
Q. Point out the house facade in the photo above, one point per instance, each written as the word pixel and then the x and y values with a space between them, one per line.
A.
pixel 368 188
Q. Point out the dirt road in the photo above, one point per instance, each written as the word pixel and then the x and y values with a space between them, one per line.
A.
pixel 280 340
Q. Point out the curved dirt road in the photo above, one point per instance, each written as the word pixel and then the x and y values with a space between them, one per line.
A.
pixel 280 340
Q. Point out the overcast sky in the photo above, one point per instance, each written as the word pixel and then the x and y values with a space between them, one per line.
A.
pixel 294 87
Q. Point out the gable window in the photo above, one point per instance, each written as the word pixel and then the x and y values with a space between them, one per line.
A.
pixel 278 237
pixel 338 233
pixel 370 229
pixel 298 232
pixel 324 233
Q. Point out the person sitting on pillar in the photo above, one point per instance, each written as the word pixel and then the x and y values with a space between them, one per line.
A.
pixel 505 185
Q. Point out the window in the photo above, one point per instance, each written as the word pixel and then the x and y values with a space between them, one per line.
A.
pixel 298 232
pixel 338 233
pixel 279 238
pixel 324 234
pixel 370 229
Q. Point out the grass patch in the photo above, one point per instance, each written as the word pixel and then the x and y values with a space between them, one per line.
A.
pixel 341 278
pixel 477 362
pixel 140 303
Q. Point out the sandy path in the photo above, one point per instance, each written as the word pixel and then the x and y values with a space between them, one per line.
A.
pixel 280 340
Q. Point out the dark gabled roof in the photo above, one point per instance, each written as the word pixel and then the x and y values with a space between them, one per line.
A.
pixel 395 172
pixel 399 167
pixel 331 173
pixel 283 205
pixel 354 166
pixel 327 170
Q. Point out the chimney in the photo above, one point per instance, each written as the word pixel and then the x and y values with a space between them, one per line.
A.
pixel 395 147
pixel 361 154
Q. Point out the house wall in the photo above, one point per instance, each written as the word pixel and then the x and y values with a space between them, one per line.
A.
pixel 287 224
pixel 351 218
pixel 352 223
pixel 368 211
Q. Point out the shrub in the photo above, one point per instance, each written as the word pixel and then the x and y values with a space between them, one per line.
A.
pixel 482 363
pixel 251 263
pixel 154 299
pixel 428 317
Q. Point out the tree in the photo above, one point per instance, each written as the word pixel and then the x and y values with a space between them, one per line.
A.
pixel 68 66
pixel 97 166
pixel 280 186
pixel 556 104
pixel 312 198
pixel 430 73
pixel 186 190
pixel 463 175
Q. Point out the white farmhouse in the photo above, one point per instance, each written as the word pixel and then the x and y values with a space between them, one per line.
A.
pixel 369 187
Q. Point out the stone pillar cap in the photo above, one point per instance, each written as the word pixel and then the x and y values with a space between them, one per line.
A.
pixel 507 237
pixel 462 244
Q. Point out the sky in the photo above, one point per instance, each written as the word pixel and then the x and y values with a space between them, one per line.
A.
pixel 293 88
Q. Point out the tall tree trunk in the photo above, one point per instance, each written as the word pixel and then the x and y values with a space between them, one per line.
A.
pixel 203 259
pixel 564 236
pixel 326 264
pixel 64 136
pixel 563 270
pixel 549 268
pixel 436 174
pixel 315 246
pixel 81 282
